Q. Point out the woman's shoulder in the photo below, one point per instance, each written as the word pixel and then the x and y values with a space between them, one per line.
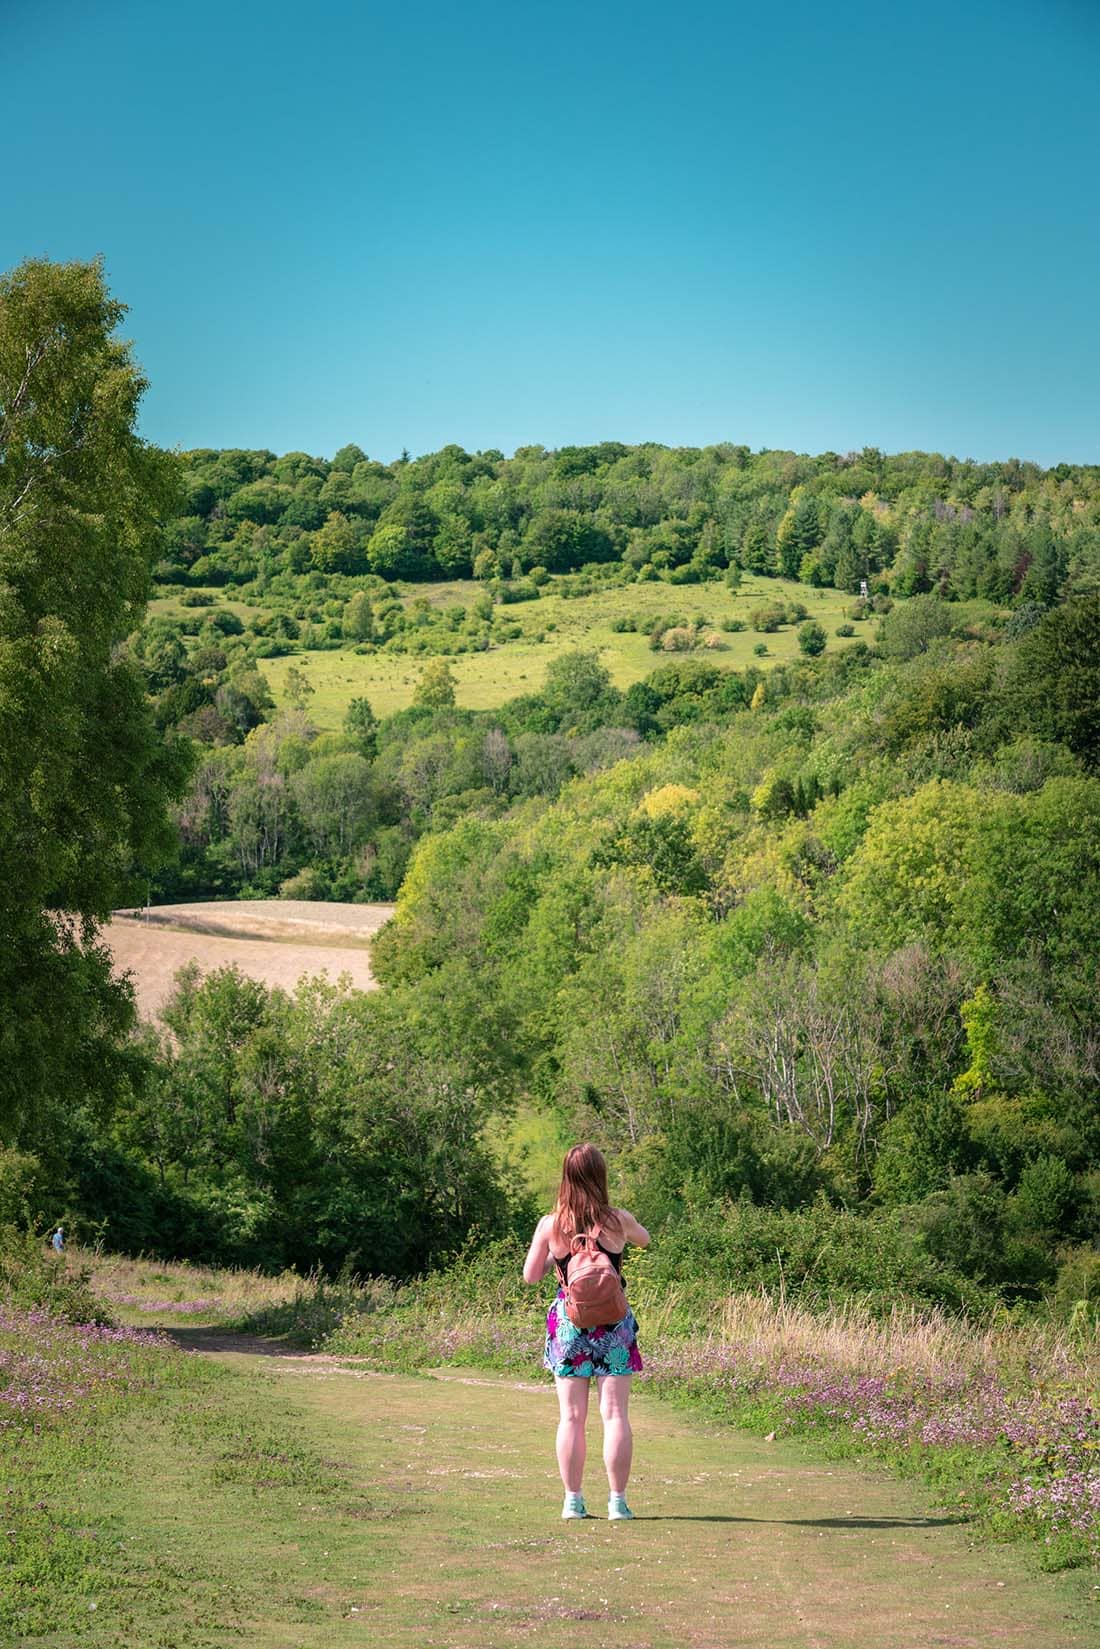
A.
pixel 632 1228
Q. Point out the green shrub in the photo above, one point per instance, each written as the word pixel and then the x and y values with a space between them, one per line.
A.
pixel 20 1181
pixel 1075 1294
pixel 817 1256
pixel 32 1276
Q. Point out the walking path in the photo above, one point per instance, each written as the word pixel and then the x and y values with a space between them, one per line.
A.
pixel 452 1535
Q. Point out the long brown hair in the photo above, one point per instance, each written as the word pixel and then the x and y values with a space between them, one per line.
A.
pixel 583 1203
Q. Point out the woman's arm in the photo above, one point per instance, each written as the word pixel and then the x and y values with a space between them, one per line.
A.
pixel 539 1259
pixel 632 1231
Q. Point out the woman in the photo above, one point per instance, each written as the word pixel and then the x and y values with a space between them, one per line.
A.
pixel 574 1356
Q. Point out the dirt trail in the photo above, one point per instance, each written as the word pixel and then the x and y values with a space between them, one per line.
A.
pixel 736 1541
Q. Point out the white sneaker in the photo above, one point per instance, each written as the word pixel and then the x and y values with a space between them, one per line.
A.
pixel 617 1509
pixel 573 1507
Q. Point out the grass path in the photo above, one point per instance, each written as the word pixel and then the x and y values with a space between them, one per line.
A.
pixel 404 1511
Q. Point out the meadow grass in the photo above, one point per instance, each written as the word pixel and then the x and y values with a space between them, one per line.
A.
pixel 170 605
pixel 166 1500
pixel 999 1416
pixel 146 1290
pixel 550 626
pixel 151 1495
pixel 487 680
pixel 161 1498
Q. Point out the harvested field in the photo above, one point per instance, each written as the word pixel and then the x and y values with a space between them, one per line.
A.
pixel 273 940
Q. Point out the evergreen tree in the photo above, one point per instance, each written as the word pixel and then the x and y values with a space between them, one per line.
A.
pixel 757 555
pixel 799 534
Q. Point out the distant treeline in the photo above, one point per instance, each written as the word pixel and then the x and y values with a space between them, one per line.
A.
pixel 916 521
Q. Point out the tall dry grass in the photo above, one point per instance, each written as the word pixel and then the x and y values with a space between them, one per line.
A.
pixel 145 1287
pixel 921 1339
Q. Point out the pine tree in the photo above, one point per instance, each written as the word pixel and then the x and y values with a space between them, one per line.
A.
pixel 756 550
pixel 799 534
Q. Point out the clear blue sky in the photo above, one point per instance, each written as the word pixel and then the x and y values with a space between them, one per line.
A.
pixel 794 225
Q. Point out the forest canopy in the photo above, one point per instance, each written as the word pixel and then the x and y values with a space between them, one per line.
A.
pixel 1005 531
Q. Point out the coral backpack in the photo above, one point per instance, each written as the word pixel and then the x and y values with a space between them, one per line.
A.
pixel 594 1294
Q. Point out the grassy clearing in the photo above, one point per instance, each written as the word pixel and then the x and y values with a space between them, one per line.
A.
pixel 145 1292
pixel 485 680
pixel 290 1501
pixel 999 1419
pixel 172 606
pixel 156 1506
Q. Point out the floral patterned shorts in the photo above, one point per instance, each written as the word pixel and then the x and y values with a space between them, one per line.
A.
pixel 612 1349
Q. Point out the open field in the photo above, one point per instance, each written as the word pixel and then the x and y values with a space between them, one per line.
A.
pixel 171 606
pixel 488 679
pixel 273 940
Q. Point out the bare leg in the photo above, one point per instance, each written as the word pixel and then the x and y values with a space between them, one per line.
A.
pixel 573 1405
pixel 618 1439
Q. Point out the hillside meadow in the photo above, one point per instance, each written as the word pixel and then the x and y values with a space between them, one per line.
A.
pixel 233 1490
pixel 553 626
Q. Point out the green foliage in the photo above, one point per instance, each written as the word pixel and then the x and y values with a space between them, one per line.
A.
pixel 922 521
pixel 1056 680
pixel 436 689
pixel 334 796
pixel 914 626
pixel 664 846
pixel 824 934
pixel 989 875
pixel 813 1256
pixel 86 779
pixel 32 1277
pixel 21 1181
pixel 330 1128
pixel 361 724
pixel 578 692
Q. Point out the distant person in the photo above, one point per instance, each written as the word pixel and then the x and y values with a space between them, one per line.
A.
pixel 58 1240
pixel 581 1226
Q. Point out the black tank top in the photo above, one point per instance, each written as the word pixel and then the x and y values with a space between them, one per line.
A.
pixel 563 1265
